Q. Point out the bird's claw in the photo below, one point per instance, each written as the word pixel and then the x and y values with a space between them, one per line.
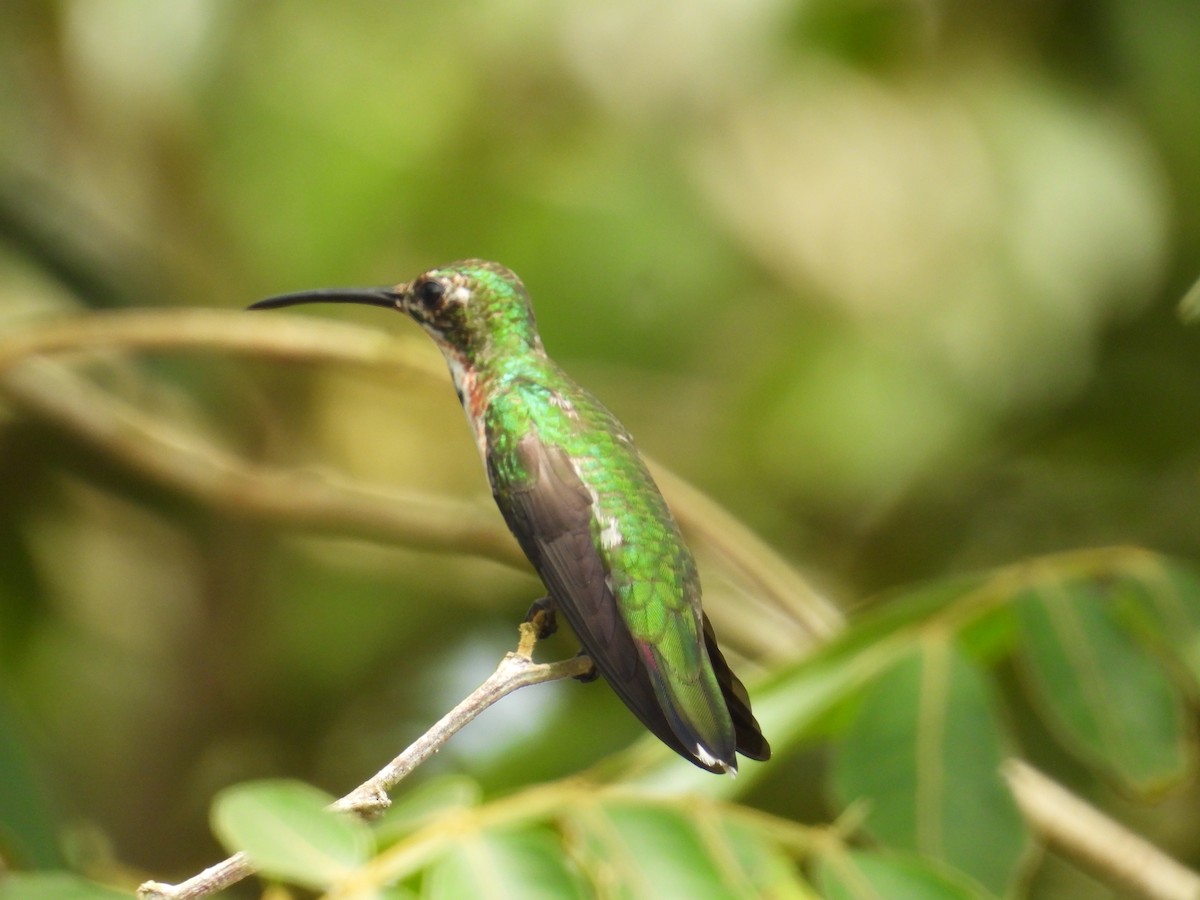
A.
pixel 590 675
pixel 543 616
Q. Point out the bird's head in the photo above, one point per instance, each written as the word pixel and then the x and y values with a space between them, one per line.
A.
pixel 471 308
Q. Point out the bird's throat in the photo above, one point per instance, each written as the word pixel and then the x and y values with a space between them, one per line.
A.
pixel 470 394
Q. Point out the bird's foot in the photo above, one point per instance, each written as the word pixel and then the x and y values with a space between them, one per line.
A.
pixel 590 675
pixel 543 616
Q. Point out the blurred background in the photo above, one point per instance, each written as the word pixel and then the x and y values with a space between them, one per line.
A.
pixel 894 282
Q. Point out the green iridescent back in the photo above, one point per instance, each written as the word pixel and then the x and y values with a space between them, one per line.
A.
pixel 580 501
pixel 650 571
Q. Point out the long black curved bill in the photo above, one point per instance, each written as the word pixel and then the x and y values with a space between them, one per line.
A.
pixel 371 296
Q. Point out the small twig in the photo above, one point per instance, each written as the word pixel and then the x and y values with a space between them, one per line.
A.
pixel 516 670
pixel 172 458
pixel 290 338
pixel 798 615
pixel 214 878
pixel 182 462
pixel 1105 847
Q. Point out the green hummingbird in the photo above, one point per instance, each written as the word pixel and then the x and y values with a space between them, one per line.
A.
pixel 583 506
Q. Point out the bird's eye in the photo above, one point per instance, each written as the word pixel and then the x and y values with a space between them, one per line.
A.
pixel 430 293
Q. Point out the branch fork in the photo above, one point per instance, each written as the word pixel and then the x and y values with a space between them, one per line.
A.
pixel 516 670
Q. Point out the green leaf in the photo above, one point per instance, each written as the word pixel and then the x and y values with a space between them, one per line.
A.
pixel 1169 595
pixel 426 803
pixel 530 863
pixel 874 876
pixel 1189 306
pixel 286 830
pixel 924 752
pixel 27 828
pixel 54 886
pixel 1108 699
pixel 762 865
pixel 638 846
pixel 644 849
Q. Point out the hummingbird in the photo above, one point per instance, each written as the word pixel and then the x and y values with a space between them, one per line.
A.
pixel 584 508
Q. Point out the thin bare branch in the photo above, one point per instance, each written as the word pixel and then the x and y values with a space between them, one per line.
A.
pixel 184 463
pixel 1102 845
pixel 772 591
pixel 297 498
pixel 797 612
pixel 290 338
pixel 516 670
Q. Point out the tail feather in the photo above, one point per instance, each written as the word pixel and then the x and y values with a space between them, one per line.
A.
pixel 750 740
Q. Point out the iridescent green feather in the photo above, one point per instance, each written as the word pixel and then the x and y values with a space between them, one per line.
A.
pixel 583 506
pixel 649 572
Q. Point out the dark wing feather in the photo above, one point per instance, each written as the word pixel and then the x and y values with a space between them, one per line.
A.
pixel 550 512
pixel 750 740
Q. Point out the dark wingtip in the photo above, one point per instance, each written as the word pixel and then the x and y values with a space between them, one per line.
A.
pixel 750 741
pixel 371 296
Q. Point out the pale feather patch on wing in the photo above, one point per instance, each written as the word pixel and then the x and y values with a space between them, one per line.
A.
pixel 557 399
pixel 610 534
pixel 553 509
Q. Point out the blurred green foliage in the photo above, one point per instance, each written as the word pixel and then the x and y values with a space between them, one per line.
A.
pixel 894 282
